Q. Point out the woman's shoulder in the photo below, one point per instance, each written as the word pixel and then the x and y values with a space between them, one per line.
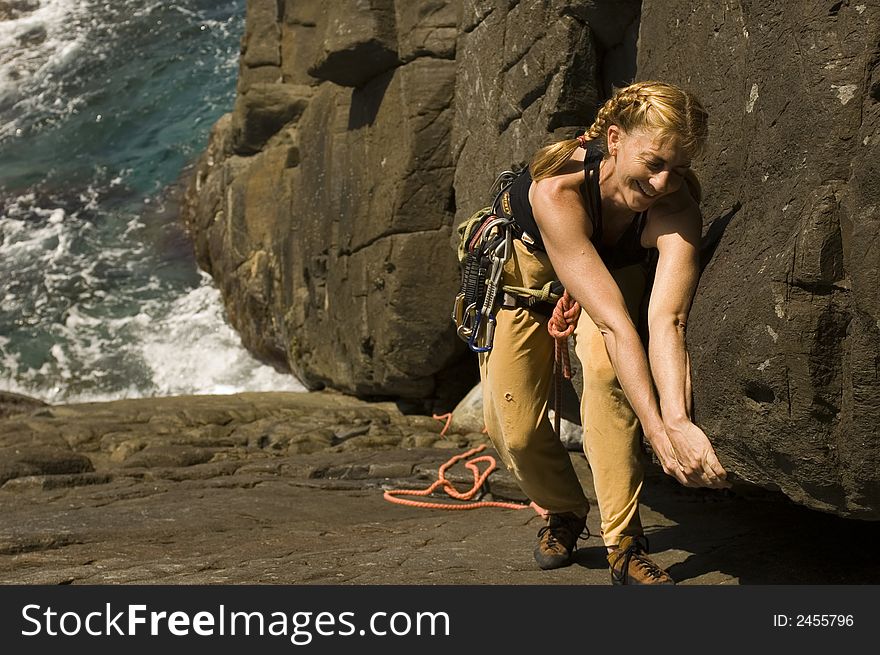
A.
pixel 558 200
pixel 678 212
pixel 567 180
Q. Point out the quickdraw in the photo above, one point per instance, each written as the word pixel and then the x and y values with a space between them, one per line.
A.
pixel 486 243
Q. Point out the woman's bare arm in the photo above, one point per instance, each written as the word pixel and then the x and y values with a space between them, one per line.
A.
pixel 677 240
pixel 566 231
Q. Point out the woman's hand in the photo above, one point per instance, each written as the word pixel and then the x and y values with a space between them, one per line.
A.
pixel 664 451
pixel 695 456
pixel 686 454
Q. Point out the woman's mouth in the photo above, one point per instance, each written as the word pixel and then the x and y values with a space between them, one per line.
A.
pixel 643 191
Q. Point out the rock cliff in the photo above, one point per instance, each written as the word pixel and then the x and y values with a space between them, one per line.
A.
pixel 363 131
pixel 785 327
pixel 325 200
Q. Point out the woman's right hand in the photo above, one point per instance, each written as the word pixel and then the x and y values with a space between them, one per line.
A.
pixel 686 454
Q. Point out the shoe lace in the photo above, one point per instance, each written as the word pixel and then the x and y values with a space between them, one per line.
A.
pixel 551 539
pixel 637 551
pixel 554 527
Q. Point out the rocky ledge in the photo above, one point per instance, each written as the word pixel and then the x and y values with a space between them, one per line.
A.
pixel 288 488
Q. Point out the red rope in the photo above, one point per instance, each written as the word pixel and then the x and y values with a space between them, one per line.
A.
pixel 561 326
pixel 479 480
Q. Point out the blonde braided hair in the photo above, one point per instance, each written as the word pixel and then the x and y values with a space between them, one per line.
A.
pixel 659 107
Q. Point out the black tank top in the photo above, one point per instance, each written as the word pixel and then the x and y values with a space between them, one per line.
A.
pixel 628 249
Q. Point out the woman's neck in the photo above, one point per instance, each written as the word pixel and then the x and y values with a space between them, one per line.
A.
pixel 614 207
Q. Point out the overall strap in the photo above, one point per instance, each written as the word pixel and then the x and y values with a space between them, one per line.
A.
pixel 590 190
pixel 641 219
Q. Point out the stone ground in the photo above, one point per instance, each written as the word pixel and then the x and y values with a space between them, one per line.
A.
pixel 287 488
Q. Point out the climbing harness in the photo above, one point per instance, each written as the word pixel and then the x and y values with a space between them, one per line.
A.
pixel 480 478
pixel 486 243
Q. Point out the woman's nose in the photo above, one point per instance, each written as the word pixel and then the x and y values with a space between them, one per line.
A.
pixel 665 182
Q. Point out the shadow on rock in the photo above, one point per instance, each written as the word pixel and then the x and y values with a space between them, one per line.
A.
pixel 759 537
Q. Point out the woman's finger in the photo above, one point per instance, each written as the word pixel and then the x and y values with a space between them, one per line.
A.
pixel 718 473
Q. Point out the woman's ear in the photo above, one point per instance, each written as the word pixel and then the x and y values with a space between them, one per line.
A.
pixel 612 138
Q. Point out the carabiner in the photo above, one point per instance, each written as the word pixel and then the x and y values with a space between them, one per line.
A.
pixel 489 338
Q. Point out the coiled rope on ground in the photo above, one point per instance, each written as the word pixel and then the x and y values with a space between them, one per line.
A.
pixel 560 326
pixel 392 495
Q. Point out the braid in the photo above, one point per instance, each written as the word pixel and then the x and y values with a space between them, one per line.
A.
pixel 597 129
pixel 549 159
pixel 619 109
pixel 666 110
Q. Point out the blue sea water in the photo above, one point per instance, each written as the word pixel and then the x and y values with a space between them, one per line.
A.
pixel 102 104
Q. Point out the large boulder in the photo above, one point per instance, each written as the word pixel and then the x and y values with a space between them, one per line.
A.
pixel 361 133
pixel 324 212
pixel 785 328
pixel 366 287
pixel 360 42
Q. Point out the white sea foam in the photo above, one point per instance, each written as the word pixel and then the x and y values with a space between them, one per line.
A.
pixel 20 240
pixel 190 348
pixel 35 45
pixel 96 349
pixel 92 305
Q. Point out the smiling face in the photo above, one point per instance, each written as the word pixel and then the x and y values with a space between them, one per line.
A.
pixel 646 167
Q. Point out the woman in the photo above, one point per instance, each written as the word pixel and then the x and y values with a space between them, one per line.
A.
pixel 589 212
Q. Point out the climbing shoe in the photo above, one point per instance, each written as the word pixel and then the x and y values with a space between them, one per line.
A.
pixel 557 540
pixel 630 564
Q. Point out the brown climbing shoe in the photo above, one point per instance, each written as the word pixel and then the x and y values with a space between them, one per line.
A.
pixel 630 564
pixel 557 540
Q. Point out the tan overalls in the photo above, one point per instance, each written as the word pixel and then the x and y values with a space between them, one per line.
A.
pixel 517 375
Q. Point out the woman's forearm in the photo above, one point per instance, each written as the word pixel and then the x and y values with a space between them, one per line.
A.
pixel 670 367
pixel 627 355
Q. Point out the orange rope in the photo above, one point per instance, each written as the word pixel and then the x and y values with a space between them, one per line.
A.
pixel 479 480
pixel 561 326
pixel 563 321
pixel 443 417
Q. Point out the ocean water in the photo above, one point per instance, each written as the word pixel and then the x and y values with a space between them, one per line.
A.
pixel 102 105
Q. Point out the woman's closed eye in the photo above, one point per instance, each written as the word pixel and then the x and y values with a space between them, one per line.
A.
pixel 655 166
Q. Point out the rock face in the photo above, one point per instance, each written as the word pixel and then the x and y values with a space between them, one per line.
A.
pixel 325 203
pixel 530 73
pixel 785 327
pixel 364 131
